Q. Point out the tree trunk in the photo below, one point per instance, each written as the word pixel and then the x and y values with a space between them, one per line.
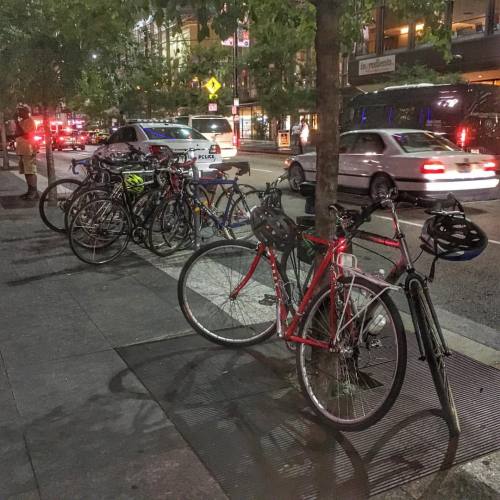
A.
pixel 49 156
pixel 328 104
pixel 5 153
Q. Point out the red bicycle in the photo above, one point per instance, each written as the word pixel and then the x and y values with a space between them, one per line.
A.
pixel 346 330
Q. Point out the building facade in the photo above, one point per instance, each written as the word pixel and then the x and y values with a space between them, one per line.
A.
pixel 388 42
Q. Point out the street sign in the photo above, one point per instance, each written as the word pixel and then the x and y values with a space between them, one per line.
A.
pixel 212 107
pixel 213 85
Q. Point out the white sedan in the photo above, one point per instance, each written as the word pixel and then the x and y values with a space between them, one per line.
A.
pixel 150 137
pixel 374 161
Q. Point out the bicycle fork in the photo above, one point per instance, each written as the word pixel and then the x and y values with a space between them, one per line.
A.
pixel 415 286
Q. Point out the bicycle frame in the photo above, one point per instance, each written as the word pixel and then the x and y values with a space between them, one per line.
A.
pixel 334 248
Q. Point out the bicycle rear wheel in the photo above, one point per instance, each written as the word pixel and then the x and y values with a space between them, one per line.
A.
pixel 239 215
pixel 100 231
pixel 54 203
pixel 205 285
pixel 355 382
pixel 429 329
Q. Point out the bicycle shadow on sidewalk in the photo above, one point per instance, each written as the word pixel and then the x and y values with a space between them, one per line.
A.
pixel 242 413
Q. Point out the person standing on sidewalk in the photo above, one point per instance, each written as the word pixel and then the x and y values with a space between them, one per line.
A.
pixel 304 134
pixel 296 137
pixel 26 150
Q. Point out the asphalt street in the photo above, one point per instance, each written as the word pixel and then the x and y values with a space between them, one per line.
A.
pixel 466 293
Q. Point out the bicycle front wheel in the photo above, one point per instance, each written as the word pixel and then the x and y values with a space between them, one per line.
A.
pixel 206 293
pixel 429 329
pixel 100 231
pixel 54 203
pixel 355 382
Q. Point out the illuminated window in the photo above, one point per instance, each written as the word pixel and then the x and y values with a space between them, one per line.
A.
pixel 469 17
pixel 366 44
pixel 396 32
pixel 496 17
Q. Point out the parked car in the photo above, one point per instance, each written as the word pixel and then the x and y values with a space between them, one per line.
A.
pixel 66 139
pixel 466 114
pixel 151 137
pixel 373 161
pixel 216 128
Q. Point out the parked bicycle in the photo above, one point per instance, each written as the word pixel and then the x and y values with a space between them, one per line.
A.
pixel 347 332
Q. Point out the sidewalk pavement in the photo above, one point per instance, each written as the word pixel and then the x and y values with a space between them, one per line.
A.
pixel 269 147
pixel 67 431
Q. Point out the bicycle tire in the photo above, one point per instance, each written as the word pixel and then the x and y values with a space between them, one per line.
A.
pixel 364 382
pixel 244 188
pixel 181 217
pixel 258 309
pixel 85 194
pixel 45 200
pixel 238 222
pixel 78 247
pixel 435 359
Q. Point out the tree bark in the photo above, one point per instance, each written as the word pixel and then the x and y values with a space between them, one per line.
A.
pixel 5 153
pixel 328 105
pixel 49 155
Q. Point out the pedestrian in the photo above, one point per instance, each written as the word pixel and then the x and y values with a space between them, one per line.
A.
pixel 26 150
pixel 296 137
pixel 304 134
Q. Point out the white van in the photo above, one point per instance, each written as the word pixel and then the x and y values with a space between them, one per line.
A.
pixel 215 128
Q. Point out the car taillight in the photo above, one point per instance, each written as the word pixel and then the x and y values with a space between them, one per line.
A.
pixel 489 166
pixel 214 149
pixel 37 138
pixel 432 167
pixel 463 136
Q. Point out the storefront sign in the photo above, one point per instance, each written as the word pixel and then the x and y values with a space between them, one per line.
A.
pixel 283 139
pixel 377 65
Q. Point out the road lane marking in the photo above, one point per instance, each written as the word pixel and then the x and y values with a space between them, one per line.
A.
pixel 262 170
pixel 495 242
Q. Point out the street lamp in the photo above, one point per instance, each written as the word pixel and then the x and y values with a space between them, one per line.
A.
pixel 94 56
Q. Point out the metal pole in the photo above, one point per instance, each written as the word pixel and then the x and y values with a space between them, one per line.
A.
pixel 236 107
pixel 5 153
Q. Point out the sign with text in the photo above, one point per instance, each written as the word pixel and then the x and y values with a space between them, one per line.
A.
pixel 212 107
pixel 377 65
pixel 283 139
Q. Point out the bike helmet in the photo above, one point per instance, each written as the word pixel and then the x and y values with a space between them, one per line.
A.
pixel 452 237
pixel 134 183
pixel 273 227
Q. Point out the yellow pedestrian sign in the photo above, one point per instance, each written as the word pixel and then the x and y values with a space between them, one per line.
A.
pixel 213 85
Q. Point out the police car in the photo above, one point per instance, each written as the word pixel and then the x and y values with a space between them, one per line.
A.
pixel 152 137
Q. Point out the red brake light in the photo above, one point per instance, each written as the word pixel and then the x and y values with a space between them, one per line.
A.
pixel 489 166
pixel 432 167
pixel 463 136
pixel 214 149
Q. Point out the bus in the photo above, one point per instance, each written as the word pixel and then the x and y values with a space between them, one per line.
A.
pixel 467 114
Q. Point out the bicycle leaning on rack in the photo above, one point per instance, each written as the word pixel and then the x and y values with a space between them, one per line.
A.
pixel 348 335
